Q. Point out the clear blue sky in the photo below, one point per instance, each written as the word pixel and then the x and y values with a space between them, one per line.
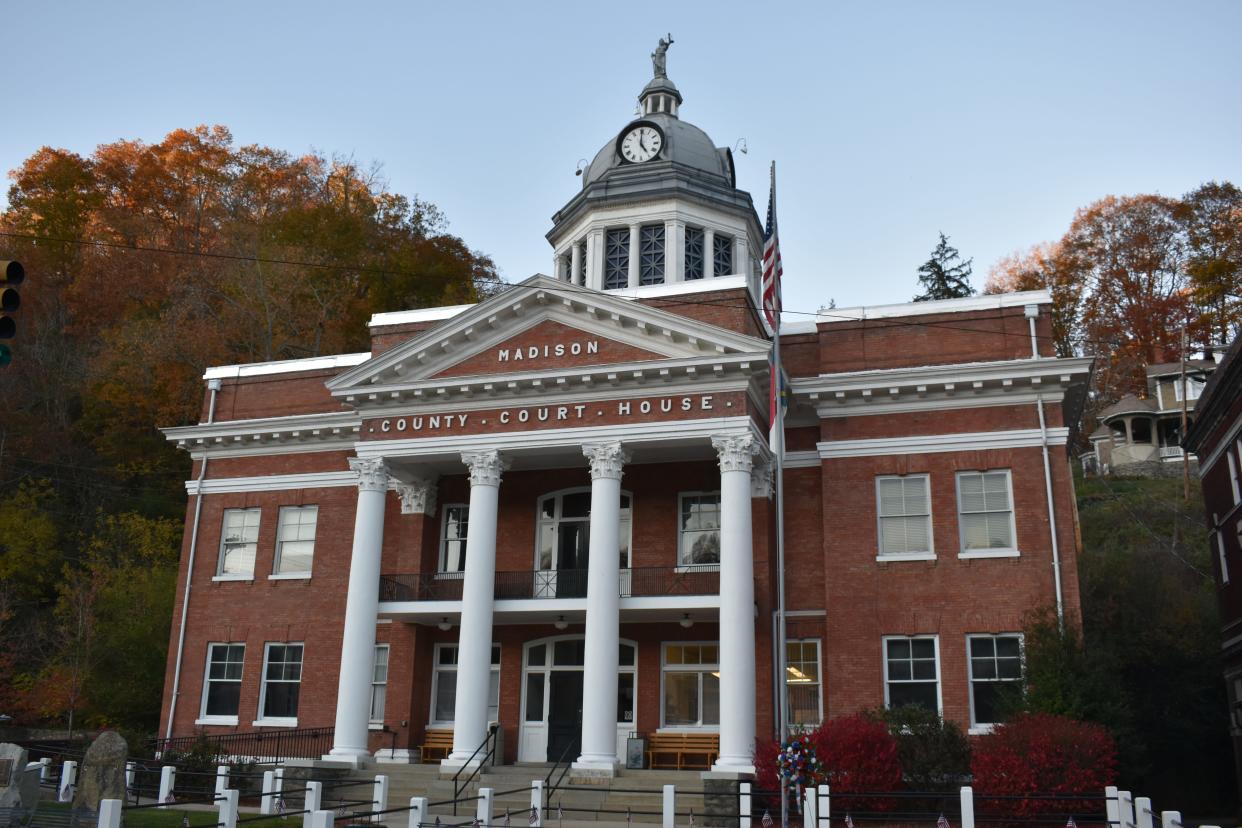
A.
pixel 889 121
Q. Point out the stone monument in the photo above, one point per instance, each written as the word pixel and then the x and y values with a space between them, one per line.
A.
pixel 12 770
pixel 102 775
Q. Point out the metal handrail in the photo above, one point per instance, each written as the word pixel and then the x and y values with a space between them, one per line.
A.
pixel 551 787
pixel 489 742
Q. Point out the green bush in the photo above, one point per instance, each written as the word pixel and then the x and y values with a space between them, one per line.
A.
pixel 934 753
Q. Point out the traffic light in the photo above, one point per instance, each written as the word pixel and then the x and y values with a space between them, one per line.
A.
pixel 12 274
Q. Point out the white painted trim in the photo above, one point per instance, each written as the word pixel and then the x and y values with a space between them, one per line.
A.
pixel 806 613
pixel 630 433
pixel 906 556
pixel 801 460
pixel 227 721
pixel 285 366
pixel 998 553
pixel 282 722
pixel 273 482
pixel 290 576
pixel 987 727
pixel 405 317
pixel 958 372
pixel 988 398
pixel 935 638
pixel 554 606
pixel 940 443
pixel 961 528
pixel 930 552
pixel 232 577
pixel 970 303
pixel 273 449
pixel 679 288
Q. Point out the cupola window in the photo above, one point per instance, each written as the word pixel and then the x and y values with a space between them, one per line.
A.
pixel 651 261
pixel 617 259
pixel 722 256
pixel 694 253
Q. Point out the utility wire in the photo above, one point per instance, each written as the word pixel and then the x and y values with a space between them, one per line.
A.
pixel 563 287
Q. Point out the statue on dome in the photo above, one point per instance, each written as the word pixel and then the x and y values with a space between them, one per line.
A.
pixel 659 63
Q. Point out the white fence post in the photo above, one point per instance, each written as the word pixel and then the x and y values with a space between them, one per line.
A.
pixel 68 780
pixel 809 796
pixel 228 808
pixel 379 797
pixel 319 819
pixel 314 795
pixel 669 807
pixel 418 811
pixel 168 779
pixel 278 786
pixel 485 807
pixel 1143 815
pixel 968 807
pixel 1127 809
pixel 1112 806
pixel 824 806
pixel 110 813
pixel 743 805
pixel 267 802
pixel 131 768
pixel 222 779
pixel 1170 819
pixel 46 770
pixel 536 802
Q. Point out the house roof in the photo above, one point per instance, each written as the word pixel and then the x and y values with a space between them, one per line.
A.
pixel 1129 404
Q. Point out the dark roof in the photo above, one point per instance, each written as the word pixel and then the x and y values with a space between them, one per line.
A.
pixel 1213 404
pixel 1192 366
pixel 1129 404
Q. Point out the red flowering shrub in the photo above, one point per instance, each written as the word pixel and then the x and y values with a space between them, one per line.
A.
pixel 1039 754
pixel 857 753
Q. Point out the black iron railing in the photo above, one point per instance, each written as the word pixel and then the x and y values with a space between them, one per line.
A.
pixel 556 583
pixel 268 745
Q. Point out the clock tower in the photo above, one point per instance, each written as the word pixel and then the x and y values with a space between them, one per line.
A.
pixel 659 212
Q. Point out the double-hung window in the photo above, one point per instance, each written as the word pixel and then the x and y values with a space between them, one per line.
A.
pixel 222 684
pixel 904 508
pixel 985 512
pixel 444 685
pixel 295 541
pixel 239 539
pixel 912 672
pixel 282 678
pixel 995 670
pixel 802 683
pixel 379 682
pixel 691 674
pixel 699 533
pixel 453 538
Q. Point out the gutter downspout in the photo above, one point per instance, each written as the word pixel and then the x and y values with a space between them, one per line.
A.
pixel 214 386
pixel 1032 311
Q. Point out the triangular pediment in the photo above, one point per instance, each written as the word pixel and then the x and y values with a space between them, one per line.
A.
pixel 537 316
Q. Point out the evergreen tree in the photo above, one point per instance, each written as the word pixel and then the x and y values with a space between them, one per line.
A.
pixel 944 275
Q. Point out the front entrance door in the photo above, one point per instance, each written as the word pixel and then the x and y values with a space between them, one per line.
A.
pixel 565 715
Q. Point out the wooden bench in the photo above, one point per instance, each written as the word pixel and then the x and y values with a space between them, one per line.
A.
pixel 438 742
pixel 695 750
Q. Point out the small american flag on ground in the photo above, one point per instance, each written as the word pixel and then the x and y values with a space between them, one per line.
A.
pixel 437 822
pixel 559 813
pixel 849 821
pixel 280 805
pixel 691 818
pixel 506 822
pixel 766 822
pixel 474 823
pixel 169 798
pixel 942 822
pixel 1071 823
pixel 534 816
pixel 629 818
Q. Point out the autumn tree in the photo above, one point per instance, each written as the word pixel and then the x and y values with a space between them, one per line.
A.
pixel 944 275
pixel 1044 267
pixel 1212 215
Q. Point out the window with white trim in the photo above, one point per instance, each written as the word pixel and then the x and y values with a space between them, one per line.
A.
pixel 690 676
pixel 651 255
pixel 282 679
pixel 904 506
pixel 995 669
pixel 222 682
pixel 722 256
pixel 912 671
pixel 444 685
pixel 295 540
pixel 453 537
pixel 698 541
pixel 1194 387
pixel 985 511
pixel 239 540
pixel 694 260
pixel 379 683
pixel 802 683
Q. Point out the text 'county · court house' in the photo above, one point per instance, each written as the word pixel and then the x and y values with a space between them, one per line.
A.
pixel 553 510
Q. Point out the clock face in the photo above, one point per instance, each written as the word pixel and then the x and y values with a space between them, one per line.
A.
pixel 642 143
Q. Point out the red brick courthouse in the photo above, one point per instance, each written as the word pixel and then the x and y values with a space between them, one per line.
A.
pixel 554 509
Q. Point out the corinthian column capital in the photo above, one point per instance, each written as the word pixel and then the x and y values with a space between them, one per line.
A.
pixel 372 473
pixel 736 452
pixel 418 497
pixel 485 467
pixel 606 459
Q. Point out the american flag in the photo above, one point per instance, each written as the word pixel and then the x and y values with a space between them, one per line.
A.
pixel 474 823
pixel 849 821
pixel 437 822
pixel 772 268
pixel 506 822
pixel 629 818
pixel 766 822
pixel 942 822
pixel 1071 823
pixel 534 815
pixel 691 818
pixel 280 805
pixel 559 813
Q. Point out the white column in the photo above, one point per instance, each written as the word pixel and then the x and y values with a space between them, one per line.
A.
pixel 674 251
pixel 709 253
pixel 474 647
pixel 353 694
pixel 635 235
pixel 737 605
pixel 741 255
pixel 599 672
pixel 593 275
pixel 575 263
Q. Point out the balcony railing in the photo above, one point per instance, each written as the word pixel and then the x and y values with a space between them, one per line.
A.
pixel 644 581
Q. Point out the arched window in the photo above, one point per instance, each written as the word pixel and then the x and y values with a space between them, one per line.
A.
pixel 564 541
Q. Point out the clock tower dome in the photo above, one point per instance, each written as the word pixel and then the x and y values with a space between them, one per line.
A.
pixel 659 212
